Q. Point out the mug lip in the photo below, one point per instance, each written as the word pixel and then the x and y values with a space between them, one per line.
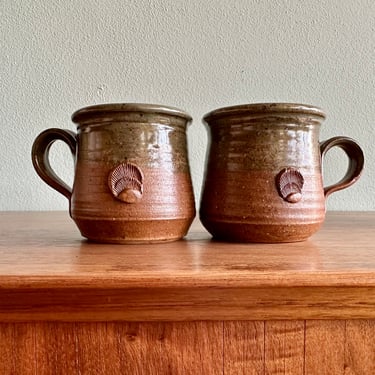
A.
pixel 108 108
pixel 264 108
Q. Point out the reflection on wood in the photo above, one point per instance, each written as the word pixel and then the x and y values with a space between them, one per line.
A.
pixel 187 308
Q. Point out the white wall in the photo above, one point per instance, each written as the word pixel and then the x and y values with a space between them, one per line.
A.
pixel 58 56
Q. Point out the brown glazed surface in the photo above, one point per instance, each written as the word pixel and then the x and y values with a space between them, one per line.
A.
pixel 255 148
pixel 144 147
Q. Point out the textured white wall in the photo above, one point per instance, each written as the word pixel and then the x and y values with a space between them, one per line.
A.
pixel 58 56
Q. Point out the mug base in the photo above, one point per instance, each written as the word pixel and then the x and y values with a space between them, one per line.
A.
pixel 260 233
pixel 133 232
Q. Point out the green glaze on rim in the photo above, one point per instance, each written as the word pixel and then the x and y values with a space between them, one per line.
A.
pixel 258 109
pixel 111 108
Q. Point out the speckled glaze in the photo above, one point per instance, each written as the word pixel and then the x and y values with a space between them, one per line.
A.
pixel 132 179
pixel 263 179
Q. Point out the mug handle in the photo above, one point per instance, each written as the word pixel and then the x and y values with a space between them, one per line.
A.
pixel 40 157
pixel 356 161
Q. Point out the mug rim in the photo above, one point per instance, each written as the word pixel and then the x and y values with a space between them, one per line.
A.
pixel 107 108
pixel 264 108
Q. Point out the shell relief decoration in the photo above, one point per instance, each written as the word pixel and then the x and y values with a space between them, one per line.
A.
pixel 289 184
pixel 126 182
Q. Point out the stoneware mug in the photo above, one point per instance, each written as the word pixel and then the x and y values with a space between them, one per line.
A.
pixel 263 178
pixel 132 180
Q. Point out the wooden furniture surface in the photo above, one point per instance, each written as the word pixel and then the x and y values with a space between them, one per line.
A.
pixel 194 306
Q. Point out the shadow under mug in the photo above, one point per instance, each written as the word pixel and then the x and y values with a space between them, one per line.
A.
pixel 132 178
pixel 263 178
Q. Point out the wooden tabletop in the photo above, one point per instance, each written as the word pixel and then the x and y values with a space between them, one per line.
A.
pixel 48 271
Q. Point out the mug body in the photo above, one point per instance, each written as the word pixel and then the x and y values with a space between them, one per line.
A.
pixel 132 179
pixel 263 178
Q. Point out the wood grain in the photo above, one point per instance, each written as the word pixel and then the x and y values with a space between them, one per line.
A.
pixel 48 272
pixel 360 347
pixel 190 307
pixel 284 347
pixel 231 347
pixel 17 349
pixel 184 304
pixel 244 347
pixel 114 348
pixel 325 347
pixel 54 345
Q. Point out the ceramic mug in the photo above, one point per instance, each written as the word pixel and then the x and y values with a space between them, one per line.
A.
pixel 263 178
pixel 132 180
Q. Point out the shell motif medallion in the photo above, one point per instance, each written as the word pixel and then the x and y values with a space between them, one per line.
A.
pixel 289 184
pixel 126 182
